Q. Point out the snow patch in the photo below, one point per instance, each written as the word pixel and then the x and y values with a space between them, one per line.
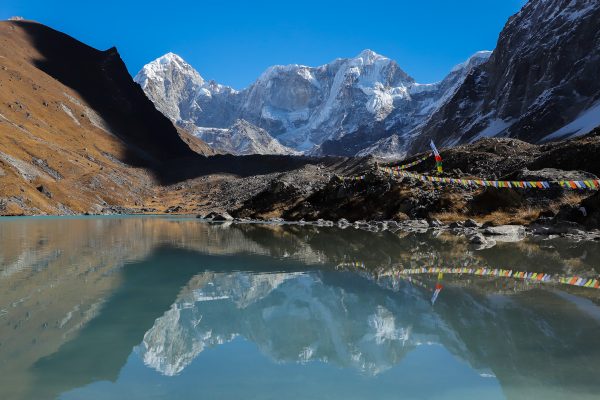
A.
pixel 584 123
pixel 68 111
pixel 478 57
pixel 495 127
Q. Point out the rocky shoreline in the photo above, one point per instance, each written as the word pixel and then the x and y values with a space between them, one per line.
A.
pixel 327 189
pixel 481 236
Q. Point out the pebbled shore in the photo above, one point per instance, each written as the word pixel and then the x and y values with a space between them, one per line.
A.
pixel 481 236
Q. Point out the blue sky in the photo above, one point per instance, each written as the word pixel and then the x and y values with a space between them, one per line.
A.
pixel 233 41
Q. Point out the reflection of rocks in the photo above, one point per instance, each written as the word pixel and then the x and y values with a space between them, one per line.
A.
pixel 506 233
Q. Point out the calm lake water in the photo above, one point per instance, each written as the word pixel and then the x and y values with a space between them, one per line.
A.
pixel 175 308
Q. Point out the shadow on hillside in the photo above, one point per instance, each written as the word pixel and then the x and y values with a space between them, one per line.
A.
pixel 102 80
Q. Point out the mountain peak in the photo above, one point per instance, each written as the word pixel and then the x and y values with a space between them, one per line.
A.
pixel 369 56
pixel 170 59
pixel 476 59
pixel 164 65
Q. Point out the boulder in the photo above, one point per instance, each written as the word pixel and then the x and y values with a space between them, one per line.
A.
pixel 493 199
pixel 324 222
pixel 400 217
pixel 361 224
pixel 219 217
pixel 173 209
pixel 415 225
pixel 551 174
pixel 471 223
pixel 392 225
pixel 456 225
pixel 480 241
pixel 277 186
pixel 435 223
pixel 506 233
pixel 586 213
pixel 343 222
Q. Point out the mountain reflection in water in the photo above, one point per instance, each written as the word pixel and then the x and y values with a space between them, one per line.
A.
pixel 88 301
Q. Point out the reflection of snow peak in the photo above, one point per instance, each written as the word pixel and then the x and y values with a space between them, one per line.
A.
pixel 291 317
pixel 361 322
pixel 384 324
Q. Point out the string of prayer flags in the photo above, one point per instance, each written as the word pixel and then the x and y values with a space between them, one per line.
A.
pixel 411 164
pixel 352 178
pixel 586 184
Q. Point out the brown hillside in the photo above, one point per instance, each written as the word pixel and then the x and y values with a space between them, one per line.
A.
pixel 76 133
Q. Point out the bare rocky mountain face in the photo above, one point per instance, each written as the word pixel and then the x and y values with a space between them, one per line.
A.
pixel 540 83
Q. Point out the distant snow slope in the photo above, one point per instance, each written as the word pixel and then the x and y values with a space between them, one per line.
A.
pixel 241 138
pixel 584 123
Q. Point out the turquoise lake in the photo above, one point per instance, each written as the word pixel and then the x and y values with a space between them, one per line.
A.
pixel 177 308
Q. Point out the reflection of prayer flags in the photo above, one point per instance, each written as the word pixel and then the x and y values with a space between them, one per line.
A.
pixel 436 293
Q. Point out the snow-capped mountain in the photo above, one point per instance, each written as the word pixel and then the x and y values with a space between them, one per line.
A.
pixel 179 92
pixel 301 106
pixel 539 83
pixel 203 108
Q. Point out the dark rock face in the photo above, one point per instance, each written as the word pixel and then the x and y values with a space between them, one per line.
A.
pixel 586 213
pixel 571 155
pixel 492 199
pixel 543 73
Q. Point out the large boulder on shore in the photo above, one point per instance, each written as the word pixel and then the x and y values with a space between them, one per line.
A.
pixel 506 233
pixel 219 216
